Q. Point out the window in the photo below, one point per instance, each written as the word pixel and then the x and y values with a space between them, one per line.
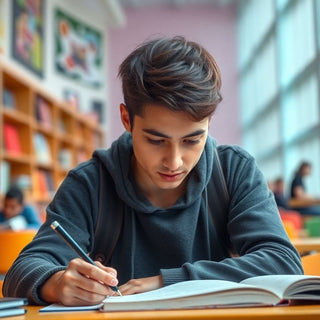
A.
pixel 279 67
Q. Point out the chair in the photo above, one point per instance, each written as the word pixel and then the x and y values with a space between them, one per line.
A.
pixel 292 222
pixel 312 225
pixel 290 229
pixel 291 215
pixel 11 243
pixel 311 264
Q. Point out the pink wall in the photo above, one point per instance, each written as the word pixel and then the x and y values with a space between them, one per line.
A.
pixel 213 27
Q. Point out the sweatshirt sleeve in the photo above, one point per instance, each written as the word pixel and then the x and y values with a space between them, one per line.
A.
pixel 254 228
pixel 47 253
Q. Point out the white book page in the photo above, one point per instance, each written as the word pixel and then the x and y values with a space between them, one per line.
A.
pixel 280 283
pixel 17 223
pixel 193 294
pixel 178 290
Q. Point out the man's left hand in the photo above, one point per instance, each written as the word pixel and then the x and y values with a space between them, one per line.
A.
pixel 141 285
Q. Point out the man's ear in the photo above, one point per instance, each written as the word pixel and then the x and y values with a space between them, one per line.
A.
pixel 124 114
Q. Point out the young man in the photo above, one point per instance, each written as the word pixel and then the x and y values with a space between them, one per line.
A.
pixel 158 178
pixel 15 214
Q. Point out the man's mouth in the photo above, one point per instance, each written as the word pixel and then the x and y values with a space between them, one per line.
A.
pixel 171 177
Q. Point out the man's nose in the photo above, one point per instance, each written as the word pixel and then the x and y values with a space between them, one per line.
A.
pixel 173 159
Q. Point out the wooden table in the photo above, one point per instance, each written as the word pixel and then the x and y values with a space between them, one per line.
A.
pixel 305 245
pixel 305 312
pixel 303 203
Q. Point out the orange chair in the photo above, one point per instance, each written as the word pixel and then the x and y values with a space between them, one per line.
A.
pixel 291 215
pixel 292 221
pixel 11 243
pixel 291 230
pixel 311 264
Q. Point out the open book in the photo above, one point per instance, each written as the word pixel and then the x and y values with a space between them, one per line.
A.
pixel 262 290
pixel 256 291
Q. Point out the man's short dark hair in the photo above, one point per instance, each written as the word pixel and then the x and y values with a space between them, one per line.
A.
pixel 172 72
pixel 15 193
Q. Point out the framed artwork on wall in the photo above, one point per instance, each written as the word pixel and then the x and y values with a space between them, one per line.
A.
pixel 78 50
pixel 71 96
pixel 27 34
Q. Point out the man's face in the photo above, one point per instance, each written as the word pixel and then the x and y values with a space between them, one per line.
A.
pixel 167 145
pixel 11 208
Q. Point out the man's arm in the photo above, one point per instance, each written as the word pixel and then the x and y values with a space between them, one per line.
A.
pixel 75 205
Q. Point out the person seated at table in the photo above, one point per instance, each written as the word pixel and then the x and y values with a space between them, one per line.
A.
pixel 17 215
pixel 179 206
pixel 299 192
pixel 279 193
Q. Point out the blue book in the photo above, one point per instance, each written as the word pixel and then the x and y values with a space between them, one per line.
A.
pixel 11 306
pixel 9 303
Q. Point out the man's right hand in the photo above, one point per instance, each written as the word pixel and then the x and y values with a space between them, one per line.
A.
pixel 80 284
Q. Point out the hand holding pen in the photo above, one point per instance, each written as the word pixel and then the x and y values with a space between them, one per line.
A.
pixel 73 244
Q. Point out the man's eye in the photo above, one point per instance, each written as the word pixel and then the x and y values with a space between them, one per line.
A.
pixel 191 142
pixel 155 141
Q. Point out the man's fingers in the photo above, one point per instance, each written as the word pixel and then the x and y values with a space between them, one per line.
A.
pixel 98 273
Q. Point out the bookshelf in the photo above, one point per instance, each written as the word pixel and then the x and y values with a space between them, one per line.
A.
pixel 42 137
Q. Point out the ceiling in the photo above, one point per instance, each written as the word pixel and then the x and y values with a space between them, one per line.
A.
pixel 115 8
pixel 173 3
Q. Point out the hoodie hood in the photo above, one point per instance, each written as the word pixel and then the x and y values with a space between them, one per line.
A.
pixel 117 160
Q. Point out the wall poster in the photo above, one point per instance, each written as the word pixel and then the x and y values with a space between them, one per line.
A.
pixel 78 50
pixel 27 34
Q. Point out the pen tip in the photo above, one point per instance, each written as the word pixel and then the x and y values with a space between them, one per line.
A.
pixel 119 293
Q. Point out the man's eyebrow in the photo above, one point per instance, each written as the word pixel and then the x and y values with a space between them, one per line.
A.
pixel 162 135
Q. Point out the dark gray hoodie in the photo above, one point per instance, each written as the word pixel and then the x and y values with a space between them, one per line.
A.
pixel 180 242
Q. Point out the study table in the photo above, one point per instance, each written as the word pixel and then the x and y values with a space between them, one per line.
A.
pixel 302 203
pixel 305 245
pixel 305 312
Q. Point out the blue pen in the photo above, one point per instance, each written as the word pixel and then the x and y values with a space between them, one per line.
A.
pixel 69 240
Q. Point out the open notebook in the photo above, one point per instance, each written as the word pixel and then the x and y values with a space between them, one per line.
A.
pixel 256 291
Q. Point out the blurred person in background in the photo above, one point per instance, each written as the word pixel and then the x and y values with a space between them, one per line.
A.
pixel 279 193
pixel 16 215
pixel 299 192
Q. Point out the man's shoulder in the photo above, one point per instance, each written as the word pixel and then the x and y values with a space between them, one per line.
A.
pixel 90 170
pixel 233 151
pixel 235 161
pixel 90 165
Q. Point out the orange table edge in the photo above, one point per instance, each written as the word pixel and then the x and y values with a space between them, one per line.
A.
pixel 304 312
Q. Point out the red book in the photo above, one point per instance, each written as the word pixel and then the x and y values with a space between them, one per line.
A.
pixel 11 139
pixel 40 184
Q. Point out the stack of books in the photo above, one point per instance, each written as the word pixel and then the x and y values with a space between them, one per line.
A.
pixel 12 306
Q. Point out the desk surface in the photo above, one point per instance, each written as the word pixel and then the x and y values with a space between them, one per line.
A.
pixel 305 245
pixel 305 312
pixel 303 203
